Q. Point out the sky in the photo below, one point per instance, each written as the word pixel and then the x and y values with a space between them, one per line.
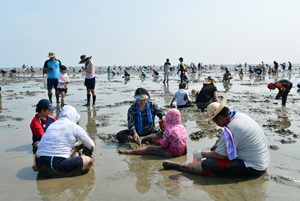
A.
pixel 140 32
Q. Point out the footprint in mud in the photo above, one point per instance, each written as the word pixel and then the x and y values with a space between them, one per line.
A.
pixel 284 132
pixel 273 147
pixel 287 141
pixel 286 181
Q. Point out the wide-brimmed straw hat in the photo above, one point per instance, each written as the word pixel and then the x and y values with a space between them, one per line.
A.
pixel 215 108
pixel 84 58
pixel 51 54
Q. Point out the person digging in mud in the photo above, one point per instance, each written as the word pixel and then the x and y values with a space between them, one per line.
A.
pixel 53 157
pixel 140 118
pixel 182 97
pixel 39 124
pixel 284 87
pixel 207 95
pixel 243 148
pixel 173 143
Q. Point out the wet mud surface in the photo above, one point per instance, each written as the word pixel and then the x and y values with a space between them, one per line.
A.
pixel 118 176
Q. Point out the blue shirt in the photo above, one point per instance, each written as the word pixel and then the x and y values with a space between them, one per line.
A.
pixel 52 74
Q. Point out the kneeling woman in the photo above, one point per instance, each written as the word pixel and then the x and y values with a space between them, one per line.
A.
pixel 140 117
pixel 174 142
pixel 56 146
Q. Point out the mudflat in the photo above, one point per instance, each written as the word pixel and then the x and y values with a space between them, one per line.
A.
pixel 123 177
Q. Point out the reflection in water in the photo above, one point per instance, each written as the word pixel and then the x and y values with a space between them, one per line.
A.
pixel 228 188
pixel 70 188
pixel 146 173
pixel 298 91
pixel 91 127
pixel 0 104
pixel 282 118
pixel 227 86
pixel 167 94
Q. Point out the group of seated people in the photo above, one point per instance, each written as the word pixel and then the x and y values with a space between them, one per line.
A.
pixel 242 149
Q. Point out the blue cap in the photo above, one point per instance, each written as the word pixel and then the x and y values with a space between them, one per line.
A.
pixel 45 104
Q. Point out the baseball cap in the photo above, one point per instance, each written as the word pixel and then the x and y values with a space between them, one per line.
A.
pixel 45 104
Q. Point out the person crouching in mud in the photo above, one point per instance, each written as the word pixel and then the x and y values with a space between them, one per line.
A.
pixel 173 143
pixel 243 148
pixel 53 157
pixel 140 117
pixel 284 87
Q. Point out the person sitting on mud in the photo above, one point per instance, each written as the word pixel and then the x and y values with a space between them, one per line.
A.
pixel 41 121
pixel 207 95
pixel 140 117
pixel 243 148
pixel 39 124
pixel 284 87
pixel 53 157
pixel 182 97
pixel 227 76
pixel 173 143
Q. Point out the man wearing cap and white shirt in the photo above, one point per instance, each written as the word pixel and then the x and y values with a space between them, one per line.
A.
pixel 51 66
pixel 243 148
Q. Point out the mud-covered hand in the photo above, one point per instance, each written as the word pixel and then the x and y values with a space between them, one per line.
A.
pixel 278 96
pixel 136 137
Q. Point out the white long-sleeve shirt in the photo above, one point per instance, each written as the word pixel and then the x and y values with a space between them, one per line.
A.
pixel 62 135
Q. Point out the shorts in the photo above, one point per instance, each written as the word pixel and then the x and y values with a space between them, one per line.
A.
pixel 213 167
pixel 52 83
pixel 52 166
pixel 166 74
pixel 62 90
pixel 90 83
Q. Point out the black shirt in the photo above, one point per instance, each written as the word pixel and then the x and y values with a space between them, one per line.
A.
pixel 206 93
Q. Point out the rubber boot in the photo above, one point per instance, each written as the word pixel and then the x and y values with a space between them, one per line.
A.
pixel 57 97
pixel 88 100
pixel 50 97
pixel 94 99
pixel 170 165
